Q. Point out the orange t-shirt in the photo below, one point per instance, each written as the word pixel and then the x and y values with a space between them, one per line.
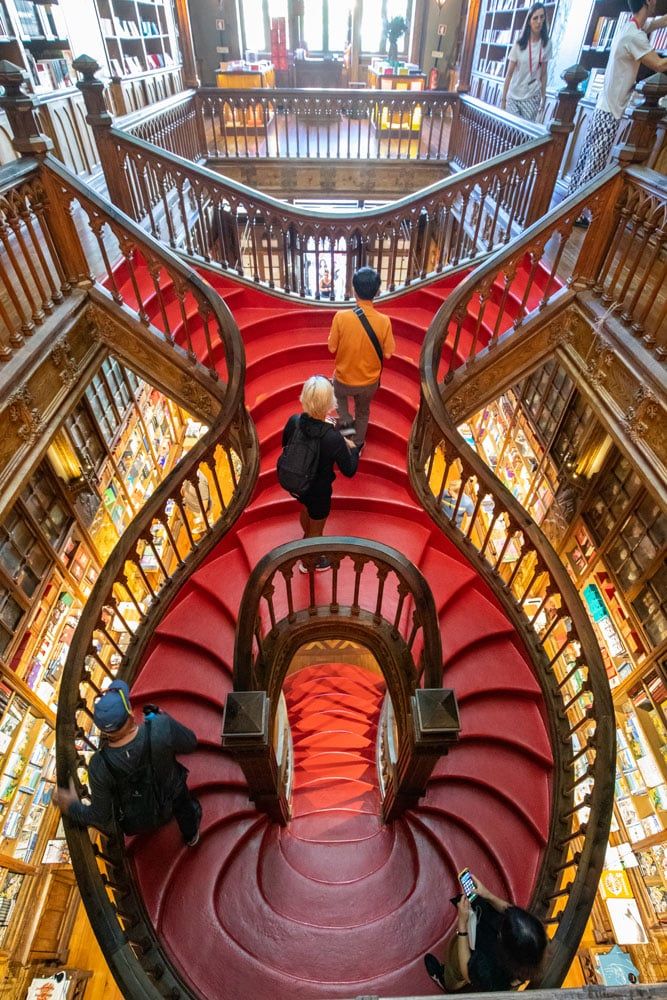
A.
pixel 357 362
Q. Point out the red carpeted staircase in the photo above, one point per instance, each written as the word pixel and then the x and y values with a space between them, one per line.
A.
pixel 336 904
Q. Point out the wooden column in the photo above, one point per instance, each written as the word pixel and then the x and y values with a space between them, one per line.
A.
pixel 472 20
pixel 101 121
pixel 21 112
pixel 190 78
pixel 561 127
pixel 640 142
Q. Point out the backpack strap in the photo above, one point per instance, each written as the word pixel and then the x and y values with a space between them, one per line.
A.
pixel 146 754
pixel 372 336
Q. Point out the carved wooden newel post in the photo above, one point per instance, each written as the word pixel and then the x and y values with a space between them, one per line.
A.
pixel 643 141
pixel 246 733
pixel 435 728
pixel 21 112
pixel 29 141
pixel 101 123
pixel 561 127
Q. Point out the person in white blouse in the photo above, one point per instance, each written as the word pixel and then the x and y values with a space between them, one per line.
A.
pixel 630 48
pixel 525 87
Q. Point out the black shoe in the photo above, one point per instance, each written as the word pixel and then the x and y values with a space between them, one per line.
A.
pixel 582 222
pixel 348 431
pixel 344 426
pixel 195 840
pixel 322 564
pixel 435 970
pixel 360 447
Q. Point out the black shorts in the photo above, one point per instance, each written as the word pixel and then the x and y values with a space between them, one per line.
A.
pixel 318 505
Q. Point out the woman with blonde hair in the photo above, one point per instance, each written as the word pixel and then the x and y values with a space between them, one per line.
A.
pixel 525 87
pixel 315 427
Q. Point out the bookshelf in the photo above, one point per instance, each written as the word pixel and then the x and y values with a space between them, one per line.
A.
pixel 34 36
pixel 499 25
pixel 138 36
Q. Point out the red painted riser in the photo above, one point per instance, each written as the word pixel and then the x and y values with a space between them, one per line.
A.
pixel 336 904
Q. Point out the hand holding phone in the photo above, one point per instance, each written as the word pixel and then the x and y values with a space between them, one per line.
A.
pixel 468 884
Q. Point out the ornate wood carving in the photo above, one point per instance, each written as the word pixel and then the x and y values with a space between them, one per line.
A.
pixel 64 362
pixel 23 412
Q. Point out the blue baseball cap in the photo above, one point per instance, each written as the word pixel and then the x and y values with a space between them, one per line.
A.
pixel 112 709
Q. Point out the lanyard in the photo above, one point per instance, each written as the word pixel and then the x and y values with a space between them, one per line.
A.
pixel 633 20
pixel 530 56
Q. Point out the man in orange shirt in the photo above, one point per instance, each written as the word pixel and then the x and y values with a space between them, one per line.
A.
pixel 362 340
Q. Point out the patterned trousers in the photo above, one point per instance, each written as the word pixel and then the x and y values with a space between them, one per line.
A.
pixel 597 147
pixel 528 108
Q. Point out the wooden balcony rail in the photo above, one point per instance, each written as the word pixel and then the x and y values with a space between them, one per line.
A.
pixel 221 223
pixel 179 525
pixel 490 526
pixel 32 276
pixel 172 124
pixel 621 262
pixel 633 276
pixel 376 597
pixel 370 125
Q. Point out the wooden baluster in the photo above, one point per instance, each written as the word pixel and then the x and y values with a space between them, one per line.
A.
pixel 35 210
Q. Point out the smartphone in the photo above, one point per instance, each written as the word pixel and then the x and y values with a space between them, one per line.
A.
pixel 468 884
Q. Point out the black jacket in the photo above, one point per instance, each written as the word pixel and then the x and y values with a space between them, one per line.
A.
pixel 169 737
pixel 333 451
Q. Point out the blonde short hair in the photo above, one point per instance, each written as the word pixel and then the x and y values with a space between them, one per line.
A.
pixel 317 397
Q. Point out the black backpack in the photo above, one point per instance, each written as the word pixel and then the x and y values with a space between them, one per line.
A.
pixel 297 465
pixel 140 804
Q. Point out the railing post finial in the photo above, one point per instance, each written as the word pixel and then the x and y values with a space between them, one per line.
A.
pixel 568 98
pixel 21 112
pixel 97 114
pixel 646 116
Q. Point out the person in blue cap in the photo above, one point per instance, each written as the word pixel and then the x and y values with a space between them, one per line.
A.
pixel 135 777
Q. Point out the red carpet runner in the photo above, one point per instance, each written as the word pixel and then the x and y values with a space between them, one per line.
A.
pixel 337 905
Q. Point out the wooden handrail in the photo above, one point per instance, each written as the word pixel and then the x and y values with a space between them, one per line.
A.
pixel 226 224
pixel 178 526
pixel 486 522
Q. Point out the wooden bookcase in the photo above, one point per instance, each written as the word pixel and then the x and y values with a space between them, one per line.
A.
pixel 499 25
pixel 138 36
pixel 34 37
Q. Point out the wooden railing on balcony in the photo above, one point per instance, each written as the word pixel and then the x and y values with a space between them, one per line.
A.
pixel 375 596
pixel 632 280
pixel 369 125
pixel 220 222
pixel 621 265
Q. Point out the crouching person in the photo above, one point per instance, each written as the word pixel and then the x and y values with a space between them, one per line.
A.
pixel 134 777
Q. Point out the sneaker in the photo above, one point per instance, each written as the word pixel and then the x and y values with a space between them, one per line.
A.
pixel 360 447
pixel 195 839
pixel 347 432
pixel 435 970
pixel 582 222
pixel 302 568
pixel 322 564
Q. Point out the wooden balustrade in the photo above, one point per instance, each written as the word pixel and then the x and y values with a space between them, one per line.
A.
pixel 490 526
pixel 362 125
pixel 481 132
pixel 632 280
pixel 173 124
pixel 225 224
pixel 381 600
pixel 32 276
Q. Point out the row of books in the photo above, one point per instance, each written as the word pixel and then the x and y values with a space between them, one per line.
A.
pixel 150 28
pixel 500 37
pixel 51 74
pixel 492 67
pixel 131 65
pixel 605 30
pixel 5 28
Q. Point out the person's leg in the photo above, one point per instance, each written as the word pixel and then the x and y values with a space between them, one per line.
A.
pixel 452 975
pixel 345 418
pixel 362 411
pixel 187 813
pixel 597 147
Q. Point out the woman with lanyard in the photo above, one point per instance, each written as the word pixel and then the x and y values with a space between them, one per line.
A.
pixel 525 87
